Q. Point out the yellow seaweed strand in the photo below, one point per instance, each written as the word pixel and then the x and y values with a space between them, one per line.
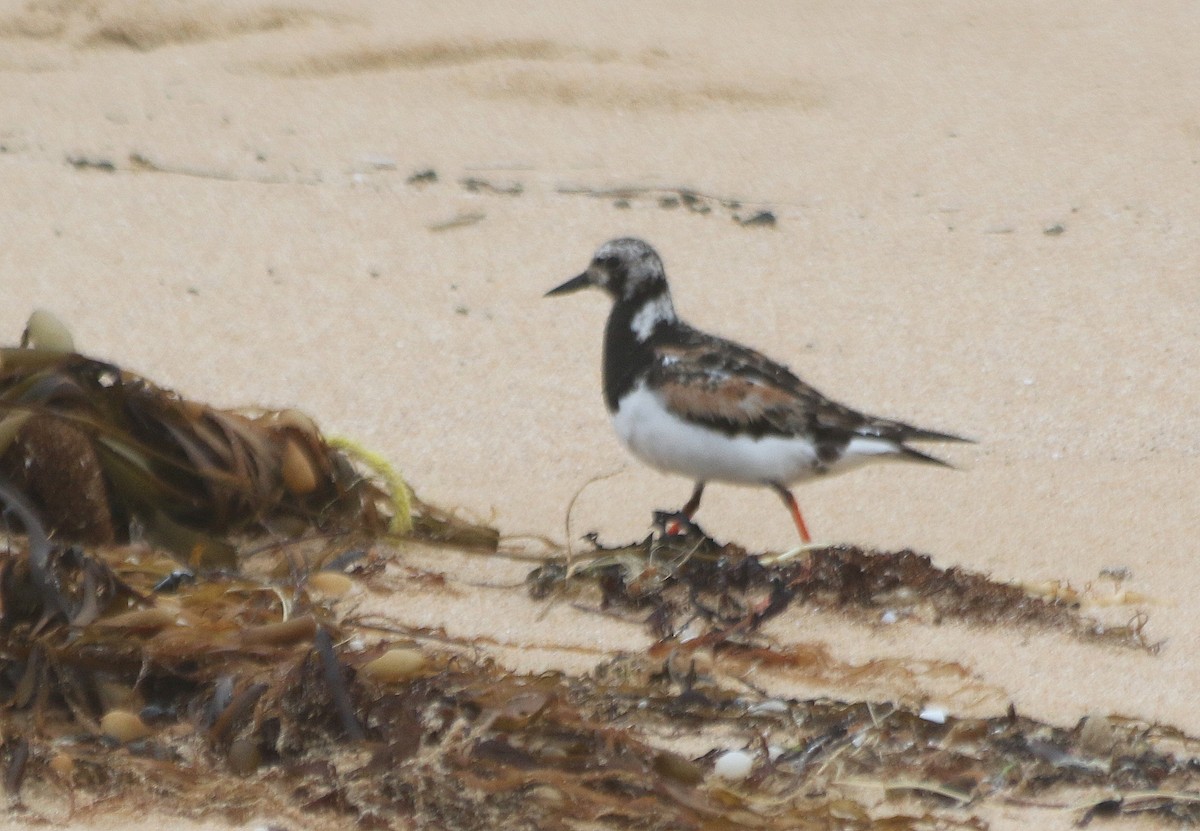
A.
pixel 398 490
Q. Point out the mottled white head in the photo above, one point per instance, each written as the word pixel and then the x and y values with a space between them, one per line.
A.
pixel 630 271
pixel 625 268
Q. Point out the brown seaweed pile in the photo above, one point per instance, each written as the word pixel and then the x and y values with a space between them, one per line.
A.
pixel 225 694
pixel 107 456
pixel 171 637
pixel 691 583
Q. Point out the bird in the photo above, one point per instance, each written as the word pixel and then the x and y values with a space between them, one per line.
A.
pixel 690 403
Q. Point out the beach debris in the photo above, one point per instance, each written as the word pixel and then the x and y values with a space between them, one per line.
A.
pixel 422 177
pixel 46 332
pixel 379 161
pixel 124 726
pixel 691 586
pixel 733 765
pixel 670 198
pixel 667 198
pixel 331 583
pixel 474 184
pixel 140 162
pixel 395 664
pixel 256 687
pixel 107 456
pixel 761 219
pixel 101 164
pixel 233 675
pixel 459 220
pixel 934 714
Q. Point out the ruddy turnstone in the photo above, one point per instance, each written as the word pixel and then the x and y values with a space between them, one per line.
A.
pixel 687 402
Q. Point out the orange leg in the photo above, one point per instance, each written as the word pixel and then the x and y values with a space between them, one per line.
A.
pixel 693 504
pixel 790 501
pixel 688 510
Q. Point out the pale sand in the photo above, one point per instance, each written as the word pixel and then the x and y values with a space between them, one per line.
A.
pixel 915 155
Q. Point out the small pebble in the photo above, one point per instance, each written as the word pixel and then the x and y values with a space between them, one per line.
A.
pixel 733 765
pixel 124 726
pixel 395 665
pixel 62 765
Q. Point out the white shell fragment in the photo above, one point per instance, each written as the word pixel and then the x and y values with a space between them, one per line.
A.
pixel 733 765
pixel 45 331
pixel 771 705
pixel 936 715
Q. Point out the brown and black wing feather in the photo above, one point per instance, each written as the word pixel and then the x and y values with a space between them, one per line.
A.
pixel 734 389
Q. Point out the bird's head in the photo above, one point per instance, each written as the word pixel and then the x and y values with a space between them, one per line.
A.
pixel 625 268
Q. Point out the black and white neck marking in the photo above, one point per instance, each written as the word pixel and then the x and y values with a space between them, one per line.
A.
pixel 653 312
pixel 631 273
pixel 628 349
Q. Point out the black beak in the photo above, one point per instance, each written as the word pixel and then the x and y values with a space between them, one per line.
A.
pixel 574 284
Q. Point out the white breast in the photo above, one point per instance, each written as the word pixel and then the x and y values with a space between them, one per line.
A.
pixel 674 445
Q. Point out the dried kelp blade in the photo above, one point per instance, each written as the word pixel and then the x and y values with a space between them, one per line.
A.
pixel 41 575
pixel 88 441
pixel 690 580
pixel 105 455
pixel 225 677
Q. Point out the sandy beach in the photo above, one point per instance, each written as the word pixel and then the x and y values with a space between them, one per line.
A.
pixel 985 220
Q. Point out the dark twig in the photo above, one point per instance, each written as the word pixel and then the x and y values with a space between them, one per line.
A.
pixel 337 686
pixel 44 578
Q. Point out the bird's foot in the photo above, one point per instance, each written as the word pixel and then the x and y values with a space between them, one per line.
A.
pixel 676 524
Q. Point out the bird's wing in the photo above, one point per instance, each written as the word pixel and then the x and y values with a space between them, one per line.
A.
pixel 732 388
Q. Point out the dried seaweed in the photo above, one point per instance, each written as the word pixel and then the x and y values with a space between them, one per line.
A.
pixel 107 456
pixel 246 702
pixel 229 692
pixel 669 198
pixel 814 745
pixel 689 583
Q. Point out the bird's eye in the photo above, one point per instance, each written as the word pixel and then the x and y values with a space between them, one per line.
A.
pixel 609 263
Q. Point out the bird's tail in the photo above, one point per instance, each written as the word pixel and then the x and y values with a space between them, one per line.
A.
pixel 891 438
pixel 907 453
pixel 902 433
pixel 917 434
